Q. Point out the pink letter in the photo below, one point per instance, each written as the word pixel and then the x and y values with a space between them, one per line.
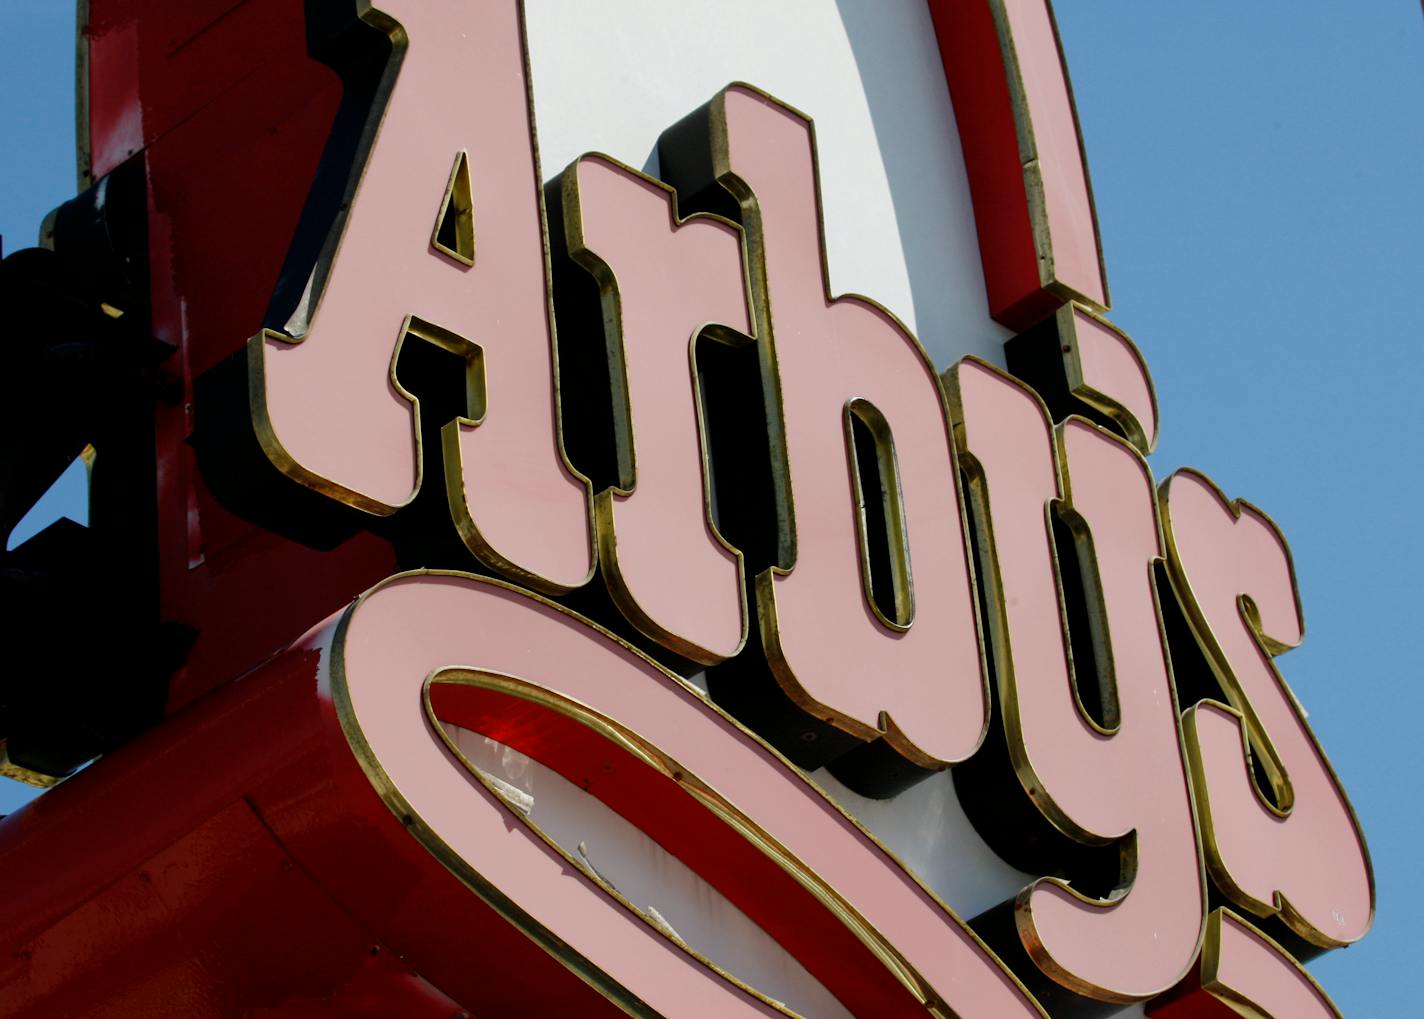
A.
pixel 1302 856
pixel 662 280
pixel 912 674
pixel 1123 781
pixel 325 401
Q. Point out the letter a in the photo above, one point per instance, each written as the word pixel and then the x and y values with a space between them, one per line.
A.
pixel 450 257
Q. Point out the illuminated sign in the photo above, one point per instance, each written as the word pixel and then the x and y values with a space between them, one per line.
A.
pixel 762 534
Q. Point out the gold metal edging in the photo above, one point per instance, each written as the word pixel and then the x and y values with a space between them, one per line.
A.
pixel 450 431
pixel 767 619
pixel 1211 964
pixel 1032 170
pixel 604 504
pixel 998 631
pixel 421 830
pixel 1250 724
pixel 1102 402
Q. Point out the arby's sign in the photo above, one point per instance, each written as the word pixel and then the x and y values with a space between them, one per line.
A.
pixel 680 524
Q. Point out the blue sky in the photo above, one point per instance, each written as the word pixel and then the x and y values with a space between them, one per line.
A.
pixel 1257 169
pixel 1257 173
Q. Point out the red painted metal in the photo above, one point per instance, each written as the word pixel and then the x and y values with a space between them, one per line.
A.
pixel 658 806
pixel 1033 208
pixel 237 861
pixel 230 114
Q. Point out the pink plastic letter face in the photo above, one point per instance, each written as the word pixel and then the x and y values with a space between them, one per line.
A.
pixel 914 675
pixel 1122 779
pixel 1250 969
pixel 662 281
pixel 1245 973
pixel 1303 855
pixel 328 409
pixel 1107 372
pixel 414 640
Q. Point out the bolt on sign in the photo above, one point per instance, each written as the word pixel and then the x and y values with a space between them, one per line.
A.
pixel 559 596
